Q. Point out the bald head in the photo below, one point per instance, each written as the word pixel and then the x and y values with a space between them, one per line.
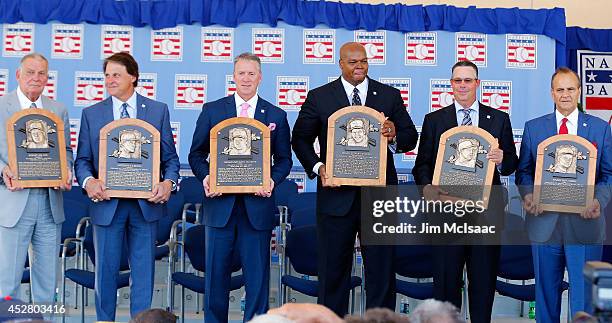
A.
pixel 353 62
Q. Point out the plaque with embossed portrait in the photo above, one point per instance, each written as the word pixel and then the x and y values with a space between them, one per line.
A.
pixel 129 158
pixel 462 169
pixel 239 156
pixel 565 174
pixel 356 148
pixel 37 148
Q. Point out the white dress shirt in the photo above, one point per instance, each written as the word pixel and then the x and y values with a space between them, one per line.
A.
pixel 474 110
pixel 252 102
pixel 572 121
pixel 131 109
pixel 25 102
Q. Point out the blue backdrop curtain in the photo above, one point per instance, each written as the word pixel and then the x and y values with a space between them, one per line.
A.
pixel 599 40
pixel 169 13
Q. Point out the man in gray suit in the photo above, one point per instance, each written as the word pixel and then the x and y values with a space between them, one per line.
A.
pixel 30 217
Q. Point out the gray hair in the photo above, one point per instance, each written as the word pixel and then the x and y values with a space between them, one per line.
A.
pixel 32 56
pixel 248 56
pixel 270 318
pixel 433 311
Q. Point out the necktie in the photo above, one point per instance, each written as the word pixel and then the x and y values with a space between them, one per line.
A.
pixel 244 110
pixel 356 98
pixel 124 111
pixel 33 106
pixel 563 127
pixel 467 121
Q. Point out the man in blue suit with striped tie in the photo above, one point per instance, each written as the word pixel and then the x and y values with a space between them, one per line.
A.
pixel 564 239
pixel 116 219
pixel 240 223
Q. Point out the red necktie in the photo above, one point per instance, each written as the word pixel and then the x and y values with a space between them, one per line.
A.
pixel 563 128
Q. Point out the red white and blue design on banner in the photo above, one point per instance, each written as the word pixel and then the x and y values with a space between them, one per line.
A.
pixel 521 51
pixel 403 179
pixel 75 127
pixel 18 40
pixel 147 85
pixel 291 92
pixel 595 70
pixel 176 134
pixel 497 94
pixel 116 39
pixel 50 89
pixel 67 41
pixel 411 155
pixel 269 44
pixel 319 46
pixel 375 45
pixel 230 85
pixel 403 85
pixel 190 91
pixel 421 48
pixel 299 178
pixel 518 138
pixel 88 88
pixel 441 94
pixel 472 47
pixel 167 44
pixel 4 75
pixel 217 44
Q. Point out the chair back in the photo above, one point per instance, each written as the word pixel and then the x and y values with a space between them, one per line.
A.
pixel 164 225
pixel 302 201
pixel 193 192
pixel 516 263
pixel 284 191
pixel 301 249
pixel 413 261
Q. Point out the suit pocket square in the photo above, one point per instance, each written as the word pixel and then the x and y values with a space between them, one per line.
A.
pixel 272 126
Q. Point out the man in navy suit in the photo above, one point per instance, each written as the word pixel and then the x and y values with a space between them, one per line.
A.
pixel 481 259
pixel 564 239
pixel 240 223
pixel 116 219
pixel 339 208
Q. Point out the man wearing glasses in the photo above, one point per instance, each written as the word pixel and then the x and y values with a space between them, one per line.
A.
pixel 481 260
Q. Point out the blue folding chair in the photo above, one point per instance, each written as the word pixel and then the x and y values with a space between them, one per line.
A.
pixel 83 276
pixel 301 254
pixel 414 262
pixel 193 191
pixel 164 225
pixel 194 248
pixel 283 192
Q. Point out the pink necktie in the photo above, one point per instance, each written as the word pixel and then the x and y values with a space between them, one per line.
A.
pixel 244 110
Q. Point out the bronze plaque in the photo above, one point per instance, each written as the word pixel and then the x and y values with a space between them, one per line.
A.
pixel 37 148
pixel 356 148
pixel 239 156
pixel 565 174
pixel 129 158
pixel 462 168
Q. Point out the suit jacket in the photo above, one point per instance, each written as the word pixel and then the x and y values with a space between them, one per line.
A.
pixel 100 114
pixel 595 131
pixel 260 210
pixel 311 123
pixel 13 203
pixel 495 122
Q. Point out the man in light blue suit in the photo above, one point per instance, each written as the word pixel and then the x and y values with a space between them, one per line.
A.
pixel 30 217
pixel 116 219
pixel 564 239
pixel 240 222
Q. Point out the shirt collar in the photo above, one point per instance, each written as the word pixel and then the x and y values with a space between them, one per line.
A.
pixel 475 106
pixel 252 101
pixel 572 118
pixel 131 101
pixel 348 88
pixel 25 103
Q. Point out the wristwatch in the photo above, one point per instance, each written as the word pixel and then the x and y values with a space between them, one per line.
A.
pixel 173 185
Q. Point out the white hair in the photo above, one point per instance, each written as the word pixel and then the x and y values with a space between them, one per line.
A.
pixel 32 56
pixel 433 311
pixel 270 318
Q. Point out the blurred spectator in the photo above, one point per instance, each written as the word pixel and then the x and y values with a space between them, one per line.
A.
pixel 154 315
pixel 433 311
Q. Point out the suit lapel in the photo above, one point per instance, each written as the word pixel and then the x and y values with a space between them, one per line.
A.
pixel 551 125
pixel 107 111
pixel 373 94
pixel 260 110
pixel 583 125
pixel 141 108
pixel 484 118
pixel 450 117
pixel 340 94
pixel 13 103
pixel 230 107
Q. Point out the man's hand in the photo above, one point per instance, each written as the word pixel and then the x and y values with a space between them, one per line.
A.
pixel 388 128
pixel 530 205
pixel 432 192
pixel 266 192
pixel 324 177
pixel 161 192
pixel 207 191
pixel 67 185
pixel 96 190
pixel 592 211
pixel 496 155
pixel 10 180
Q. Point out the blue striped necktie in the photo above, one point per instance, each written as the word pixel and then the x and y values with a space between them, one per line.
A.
pixel 467 121
pixel 356 98
pixel 124 111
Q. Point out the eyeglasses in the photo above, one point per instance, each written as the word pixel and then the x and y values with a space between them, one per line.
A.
pixel 467 81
